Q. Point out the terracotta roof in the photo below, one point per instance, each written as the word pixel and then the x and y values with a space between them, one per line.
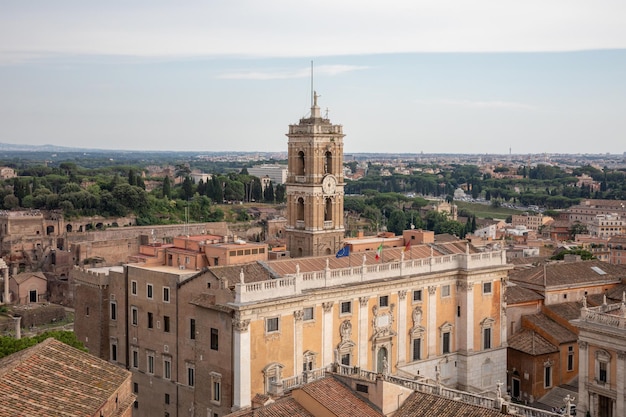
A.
pixel 422 404
pixel 529 342
pixel 53 378
pixel 252 272
pixel 568 311
pixel 20 278
pixel 516 294
pixel 571 273
pixel 283 407
pixel 339 399
pixel 551 327
pixel 617 293
pixel 529 260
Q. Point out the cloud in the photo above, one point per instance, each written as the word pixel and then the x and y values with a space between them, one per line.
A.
pixel 480 104
pixel 330 70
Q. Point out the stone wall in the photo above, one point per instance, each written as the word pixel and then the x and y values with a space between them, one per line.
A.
pixel 38 315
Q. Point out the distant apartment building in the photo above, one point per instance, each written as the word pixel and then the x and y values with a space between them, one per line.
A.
pixel 276 173
pixel 587 210
pixel 606 225
pixel 617 249
pixel 530 221
pixel 7 173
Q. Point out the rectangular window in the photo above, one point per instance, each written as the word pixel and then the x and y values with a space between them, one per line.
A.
pixel 417 295
pixel 166 324
pixel 308 313
pixel 445 291
pixel 486 287
pixel 166 294
pixel 362 388
pixel 133 287
pixel 216 391
pixel 149 291
pixel 167 368
pixel 150 321
pixel 214 339
pixel 167 398
pixel 135 358
pixel 114 351
pixel 346 307
pixel 603 372
pixel 113 310
pixel 135 388
pixel 191 375
pixel 547 381
pixel 570 358
pixel 271 325
pixel 487 338
pixel 383 301
pixel 417 349
pixel 192 328
pixel 150 367
pixel 134 316
pixel 445 340
pixel 345 359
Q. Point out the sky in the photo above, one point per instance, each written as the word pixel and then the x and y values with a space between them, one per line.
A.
pixel 432 76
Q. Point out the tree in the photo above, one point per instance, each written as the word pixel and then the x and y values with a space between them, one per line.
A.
pixel 397 222
pixel 281 192
pixel 167 187
pixel 268 194
pixel 187 188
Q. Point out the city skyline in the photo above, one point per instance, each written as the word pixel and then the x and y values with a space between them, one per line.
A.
pixel 433 77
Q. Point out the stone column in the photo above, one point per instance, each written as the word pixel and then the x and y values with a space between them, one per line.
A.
pixel 18 326
pixel 432 321
pixel 402 331
pixel 363 331
pixel 327 334
pixel 619 404
pixel 583 378
pixel 241 364
pixel 298 315
pixel 5 274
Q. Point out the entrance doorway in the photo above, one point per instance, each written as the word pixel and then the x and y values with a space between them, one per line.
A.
pixel 605 406
pixel 516 388
pixel 32 296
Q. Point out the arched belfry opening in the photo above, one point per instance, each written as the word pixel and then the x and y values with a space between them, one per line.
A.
pixel 328 163
pixel 328 210
pixel 300 209
pixel 300 163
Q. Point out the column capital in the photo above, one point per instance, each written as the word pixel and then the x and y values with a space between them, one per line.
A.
pixel 432 289
pixel 328 306
pixel 298 315
pixel 465 286
pixel 582 345
pixel 241 325
pixel 402 294
pixel 621 355
pixel 363 301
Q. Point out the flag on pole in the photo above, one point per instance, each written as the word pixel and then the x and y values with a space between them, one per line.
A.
pixel 379 252
pixel 407 247
pixel 345 251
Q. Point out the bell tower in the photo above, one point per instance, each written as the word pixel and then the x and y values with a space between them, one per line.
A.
pixel 314 186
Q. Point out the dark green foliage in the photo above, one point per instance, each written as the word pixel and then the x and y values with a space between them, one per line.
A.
pixel 9 345
pixel 585 255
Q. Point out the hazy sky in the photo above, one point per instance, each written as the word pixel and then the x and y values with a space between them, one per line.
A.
pixel 431 76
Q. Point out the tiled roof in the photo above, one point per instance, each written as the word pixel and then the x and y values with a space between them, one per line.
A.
pixel 551 327
pixel 516 294
pixel 617 293
pixel 571 273
pixel 529 342
pixel 252 272
pixel 283 407
pixel 529 260
pixel 569 310
pixel 53 378
pixel 339 399
pixel 19 278
pixel 422 404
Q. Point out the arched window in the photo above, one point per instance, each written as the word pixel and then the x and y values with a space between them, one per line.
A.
pixel 328 163
pixel 49 230
pixel 300 209
pixel 68 228
pixel 328 209
pixel 300 164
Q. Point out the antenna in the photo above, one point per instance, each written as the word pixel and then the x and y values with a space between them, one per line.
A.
pixel 312 93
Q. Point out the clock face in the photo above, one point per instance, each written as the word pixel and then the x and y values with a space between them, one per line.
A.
pixel 329 184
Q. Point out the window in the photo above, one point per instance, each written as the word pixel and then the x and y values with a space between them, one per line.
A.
pixel 114 351
pixel 166 294
pixel 135 388
pixel 308 313
pixel 87 311
pixel 271 325
pixel 345 359
pixel 486 287
pixel 192 328
pixel 113 310
pixel 603 361
pixel 445 341
pixel 383 301
pixel 167 398
pixel 135 362
pixel 214 339
pixel 445 290
pixel 134 313
pixel 150 321
pixel 150 368
pixel 346 307
pixel 191 375
pixel 149 291
pixel 216 388
pixel 547 377
pixel 417 295
pixel 133 287
pixel 362 388
pixel 417 349
pixel 570 358
pixel 166 324
pixel 602 376
pixel 487 338
pixel 167 367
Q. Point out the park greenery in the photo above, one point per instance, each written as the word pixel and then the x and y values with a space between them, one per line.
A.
pixel 10 345
pixel 118 185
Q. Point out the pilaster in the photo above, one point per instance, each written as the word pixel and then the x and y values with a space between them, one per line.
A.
pixel 298 317
pixel 432 321
pixel 363 332
pixel 621 363
pixel 327 329
pixel 402 328
pixel 583 378
pixel 241 364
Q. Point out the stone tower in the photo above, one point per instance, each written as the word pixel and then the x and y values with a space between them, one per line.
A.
pixel 314 186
